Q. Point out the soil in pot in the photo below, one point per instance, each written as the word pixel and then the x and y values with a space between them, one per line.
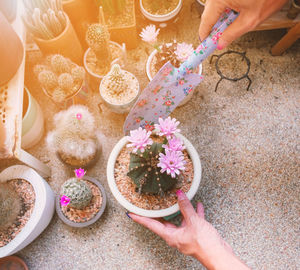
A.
pixel 160 7
pixel 91 60
pixel 148 201
pixel 86 214
pixel 122 19
pixel 27 196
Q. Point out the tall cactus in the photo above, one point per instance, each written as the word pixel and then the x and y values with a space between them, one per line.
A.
pixel 10 205
pixel 117 80
pixel 97 38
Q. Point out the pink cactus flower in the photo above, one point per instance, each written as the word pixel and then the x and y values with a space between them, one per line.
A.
pixel 79 173
pixel 149 34
pixel 172 162
pixel 174 144
pixel 139 139
pixel 167 127
pixel 78 116
pixel 64 200
pixel 183 51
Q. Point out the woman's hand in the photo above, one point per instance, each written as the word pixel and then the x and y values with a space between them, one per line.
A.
pixel 252 13
pixel 195 236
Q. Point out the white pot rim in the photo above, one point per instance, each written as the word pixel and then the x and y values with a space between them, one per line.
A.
pixel 39 186
pixel 152 213
pixel 149 60
pixel 200 2
pixel 161 18
pixel 122 47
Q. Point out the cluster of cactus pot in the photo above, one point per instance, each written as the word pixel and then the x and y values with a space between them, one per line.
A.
pixel 59 77
pixel 10 206
pixel 45 19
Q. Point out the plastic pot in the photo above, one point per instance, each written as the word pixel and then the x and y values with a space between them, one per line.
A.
pixel 32 122
pixel 93 79
pixel 42 212
pixel 168 212
pixel 92 220
pixel 148 72
pixel 66 44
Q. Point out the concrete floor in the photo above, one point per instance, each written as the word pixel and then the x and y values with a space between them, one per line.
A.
pixel 248 143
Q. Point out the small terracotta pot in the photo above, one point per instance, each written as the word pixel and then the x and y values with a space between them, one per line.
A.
pixel 91 221
pixel 13 262
pixel 66 44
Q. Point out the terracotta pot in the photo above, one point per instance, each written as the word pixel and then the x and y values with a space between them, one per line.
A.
pixel 66 44
pixel 81 13
pixel 125 34
pixel 167 213
pixel 91 221
pixel 13 262
pixel 11 51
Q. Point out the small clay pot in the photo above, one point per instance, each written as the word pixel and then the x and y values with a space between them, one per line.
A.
pixel 92 220
pixel 89 165
pixel 13 262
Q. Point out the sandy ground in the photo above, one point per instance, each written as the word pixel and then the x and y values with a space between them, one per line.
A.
pixel 248 142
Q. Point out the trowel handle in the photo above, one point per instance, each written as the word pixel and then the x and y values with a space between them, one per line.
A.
pixel 211 42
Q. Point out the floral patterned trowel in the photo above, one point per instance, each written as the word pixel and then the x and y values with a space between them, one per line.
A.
pixel 171 85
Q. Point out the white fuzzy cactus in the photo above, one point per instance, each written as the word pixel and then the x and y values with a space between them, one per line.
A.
pixel 75 133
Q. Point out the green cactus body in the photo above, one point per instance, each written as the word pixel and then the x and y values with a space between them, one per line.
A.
pixel 10 206
pixel 48 80
pixel 66 82
pixel 117 80
pixel 78 191
pixel 97 37
pixel 146 175
pixel 60 64
pixel 78 74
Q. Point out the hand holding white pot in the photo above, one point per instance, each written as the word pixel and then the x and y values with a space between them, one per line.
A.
pixel 195 237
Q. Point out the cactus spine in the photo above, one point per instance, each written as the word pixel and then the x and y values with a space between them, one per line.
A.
pixel 10 206
pixel 146 175
pixel 78 191
pixel 45 19
pixel 117 80
pixel 97 38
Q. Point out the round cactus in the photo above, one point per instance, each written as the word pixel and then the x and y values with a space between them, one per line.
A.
pixel 66 82
pixel 78 191
pixel 48 80
pixel 97 38
pixel 78 74
pixel 10 206
pixel 60 64
pixel 58 95
pixel 117 80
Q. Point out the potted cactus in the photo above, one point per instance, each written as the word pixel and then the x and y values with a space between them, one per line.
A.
pixel 62 80
pixel 26 208
pixel 101 54
pixel 81 200
pixel 146 169
pixel 74 138
pixel 119 89
pixel 52 29
pixel 161 12
pixel 119 16
pixel 174 52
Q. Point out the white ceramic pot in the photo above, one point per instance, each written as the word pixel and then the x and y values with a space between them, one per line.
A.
pixel 42 212
pixel 32 122
pixel 94 79
pixel 161 18
pixel 201 2
pixel 119 108
pixel 148 72
pixel 152 213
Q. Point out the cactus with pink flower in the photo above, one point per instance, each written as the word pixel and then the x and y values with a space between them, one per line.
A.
pixel 156 158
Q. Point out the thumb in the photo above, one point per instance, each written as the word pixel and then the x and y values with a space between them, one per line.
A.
pixel 245 22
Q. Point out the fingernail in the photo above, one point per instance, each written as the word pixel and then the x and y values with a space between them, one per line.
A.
pixel 179 193
pixel 219 47
pixel 127 214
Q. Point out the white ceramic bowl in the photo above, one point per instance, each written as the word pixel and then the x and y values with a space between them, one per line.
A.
pixel 148 72
pixel 161 18
pixel 152 213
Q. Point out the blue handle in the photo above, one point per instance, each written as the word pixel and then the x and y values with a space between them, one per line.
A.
pixel 211 42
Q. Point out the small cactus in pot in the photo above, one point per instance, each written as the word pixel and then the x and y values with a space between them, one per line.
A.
pixel 156 159
pixel 59 77
pixel 74 138
pixel 10 206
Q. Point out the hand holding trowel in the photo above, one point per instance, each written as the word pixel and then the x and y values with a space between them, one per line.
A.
pixel 171 85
